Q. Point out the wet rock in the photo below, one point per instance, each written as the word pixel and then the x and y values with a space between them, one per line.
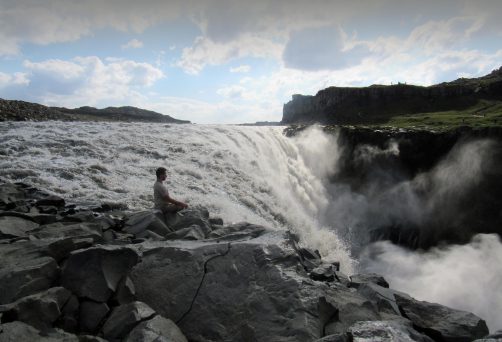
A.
pixel 124 318
pixel 61 249
pixel 68 321
pixel 216 221
pixel 147 220
pixel 40 310
pixel 15 227
pixel 82 216
pixel 25 270
pixel 440 322
pixel 78 230
pixel 495 337
pixel 51 200
pixel 90 338
pixel 334 338
pixel 94 273
pixel 324 272
pixel 126 293
pixel 347 307
pixel 238 231
pixel 383 298
pixel 148 234
pixel 91 315
pixel 189 217
pixel 9 195
pixel 385 331
pixel 193 232
pixel 358 279
pixel 156 329
pixel 19 331
pixel 248 289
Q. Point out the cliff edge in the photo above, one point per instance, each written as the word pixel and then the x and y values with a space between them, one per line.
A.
pixel 378 103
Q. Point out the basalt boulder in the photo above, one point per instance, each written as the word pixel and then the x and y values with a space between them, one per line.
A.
pixel 25 269
pixel 94 273
pixel 40 310
pixel 440 322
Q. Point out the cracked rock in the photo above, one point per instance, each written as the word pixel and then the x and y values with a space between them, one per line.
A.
pixel 124 318
pixel 94 273
pixel 440 322
pixel 40 310
pixel 156 329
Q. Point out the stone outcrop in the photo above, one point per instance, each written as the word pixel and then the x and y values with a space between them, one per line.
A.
pixel 214 282
pixel 11 110
pixel 344 105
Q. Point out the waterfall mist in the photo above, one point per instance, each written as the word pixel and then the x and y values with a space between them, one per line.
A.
pixel 466 277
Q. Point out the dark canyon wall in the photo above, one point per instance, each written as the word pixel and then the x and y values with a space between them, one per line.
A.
pixel 348 105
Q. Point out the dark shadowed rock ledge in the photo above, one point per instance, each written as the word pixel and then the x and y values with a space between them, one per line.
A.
pixel 75 274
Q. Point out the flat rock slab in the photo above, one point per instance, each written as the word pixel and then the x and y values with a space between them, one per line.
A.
pixel 383 331
pixel 78 230
pixel 155 330
pixel 24 270
pixel 241 291
pixel 19 331
pixel 91 315
pixel 15 227
pixel 147 220
pixel 440 322
pixel 40 310
pixel 358 279
pixel 124 318
pixel 94 273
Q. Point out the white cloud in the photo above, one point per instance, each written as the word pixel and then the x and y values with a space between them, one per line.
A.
pixel 85 81
pixel 16 79
pixel 133 44
pixel 56 21
pixel 207 52
pixel 235 91
pixel 241 68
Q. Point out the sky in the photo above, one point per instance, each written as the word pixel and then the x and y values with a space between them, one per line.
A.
pixel 220 61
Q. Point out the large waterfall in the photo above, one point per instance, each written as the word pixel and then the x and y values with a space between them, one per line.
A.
pixel 258 175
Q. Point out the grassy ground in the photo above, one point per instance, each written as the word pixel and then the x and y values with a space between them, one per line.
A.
pixel 484 114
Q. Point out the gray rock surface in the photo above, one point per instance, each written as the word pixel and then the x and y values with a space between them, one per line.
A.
pixel 157 329
pixel 189 217
pixel 244 290
pixel 40 310
pixel 357 279
pixel 124 318
pixel 77 230
pixel 15 227
pixel 147 220
pixel 94 273
pixel 440 322
pixel 383 331
pixel 91 315
pixel 126 293
pixel 24 270
pixel 19 331
pixel 194 232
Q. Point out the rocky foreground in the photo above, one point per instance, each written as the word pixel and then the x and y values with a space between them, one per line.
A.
pixel 74 273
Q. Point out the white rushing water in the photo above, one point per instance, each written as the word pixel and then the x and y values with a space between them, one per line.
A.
pixel 252 174
pixel 256 174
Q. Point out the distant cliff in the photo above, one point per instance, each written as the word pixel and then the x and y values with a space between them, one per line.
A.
pixel 376 103
pixel 11 110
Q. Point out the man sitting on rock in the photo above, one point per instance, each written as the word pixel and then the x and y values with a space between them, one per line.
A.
pixel 161 197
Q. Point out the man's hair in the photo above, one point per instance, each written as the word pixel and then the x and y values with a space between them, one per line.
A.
pixel 160 171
